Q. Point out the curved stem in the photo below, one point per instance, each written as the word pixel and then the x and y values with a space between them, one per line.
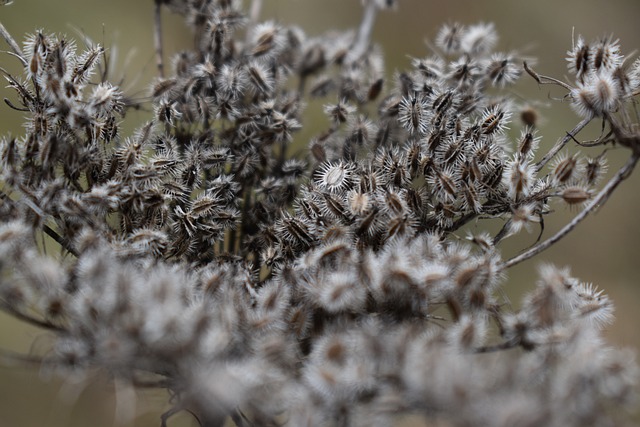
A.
pixel 545 80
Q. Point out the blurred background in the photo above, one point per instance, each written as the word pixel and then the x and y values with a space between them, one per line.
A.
pixel 603 250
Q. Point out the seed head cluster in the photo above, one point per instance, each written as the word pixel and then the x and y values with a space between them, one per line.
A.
pixel 603 81
pixel 209 254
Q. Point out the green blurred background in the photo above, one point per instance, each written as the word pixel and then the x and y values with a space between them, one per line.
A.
pixel 603 250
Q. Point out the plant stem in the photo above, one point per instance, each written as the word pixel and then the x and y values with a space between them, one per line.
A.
pixel 11 42
pixel 48 230
pixel 361 42
pixel 29 319
pixel 157 38
pixel 560 144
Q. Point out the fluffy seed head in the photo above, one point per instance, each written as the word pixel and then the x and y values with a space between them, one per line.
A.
pixel 566 169
pixel 259 78
pixel 579 59
pixel 575 195
pixel 340 112
pixel 606 55
pixel 449 38
pixel 518 179
pixel 340 292
pixel 502 71
pixel 413 114
pixel 494 120
pixel 528 143
pixel 358 202
pixel 106 99
pixel 595 169
pixel 479 39
pixel 594 305
pixel 232 80
pixel 597 96
pixel 267 39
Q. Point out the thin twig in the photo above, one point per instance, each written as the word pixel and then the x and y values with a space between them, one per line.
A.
pixel 6 101
pixel 29 319
pixel 48 230
pixel 60 240
pixel 545 80
pixel 157 38
pixel 105 64
pixel 596 142
pixel 560 144
pixel 361 42
pixel 11 42
pixel 254 13
pixel 599 200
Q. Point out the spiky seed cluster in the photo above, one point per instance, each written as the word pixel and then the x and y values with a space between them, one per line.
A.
pixel 328 289
pixel 602 81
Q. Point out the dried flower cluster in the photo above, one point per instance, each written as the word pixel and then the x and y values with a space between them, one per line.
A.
pixel 327 287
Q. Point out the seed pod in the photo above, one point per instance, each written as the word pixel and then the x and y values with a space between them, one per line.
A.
pixel 333 207
pixel 565 169
pixel 494 121
pixel 528 142
pixel 443 102
pixel 295 231
pixel 204 205
pixel 529 117
pixel 334 177
pixel 595 169
pixel 375 89
pixel 575 195
pixel 260 78
pixel 446 184
pixel 314 59
pixel 10 153
pixel 413 114
pixel 502 71
pixel 449 38
pixel 340 112
pixel 370 224
pixel 358 202
pixel 268 39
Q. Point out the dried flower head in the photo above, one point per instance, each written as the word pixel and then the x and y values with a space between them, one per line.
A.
pixel 258 282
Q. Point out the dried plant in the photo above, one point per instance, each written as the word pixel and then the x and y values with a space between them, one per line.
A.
pixel 254 281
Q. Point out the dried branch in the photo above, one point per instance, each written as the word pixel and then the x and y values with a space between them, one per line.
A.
pixel 545 79
pixel 363 36
pixel 12 43
pixel 157 37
